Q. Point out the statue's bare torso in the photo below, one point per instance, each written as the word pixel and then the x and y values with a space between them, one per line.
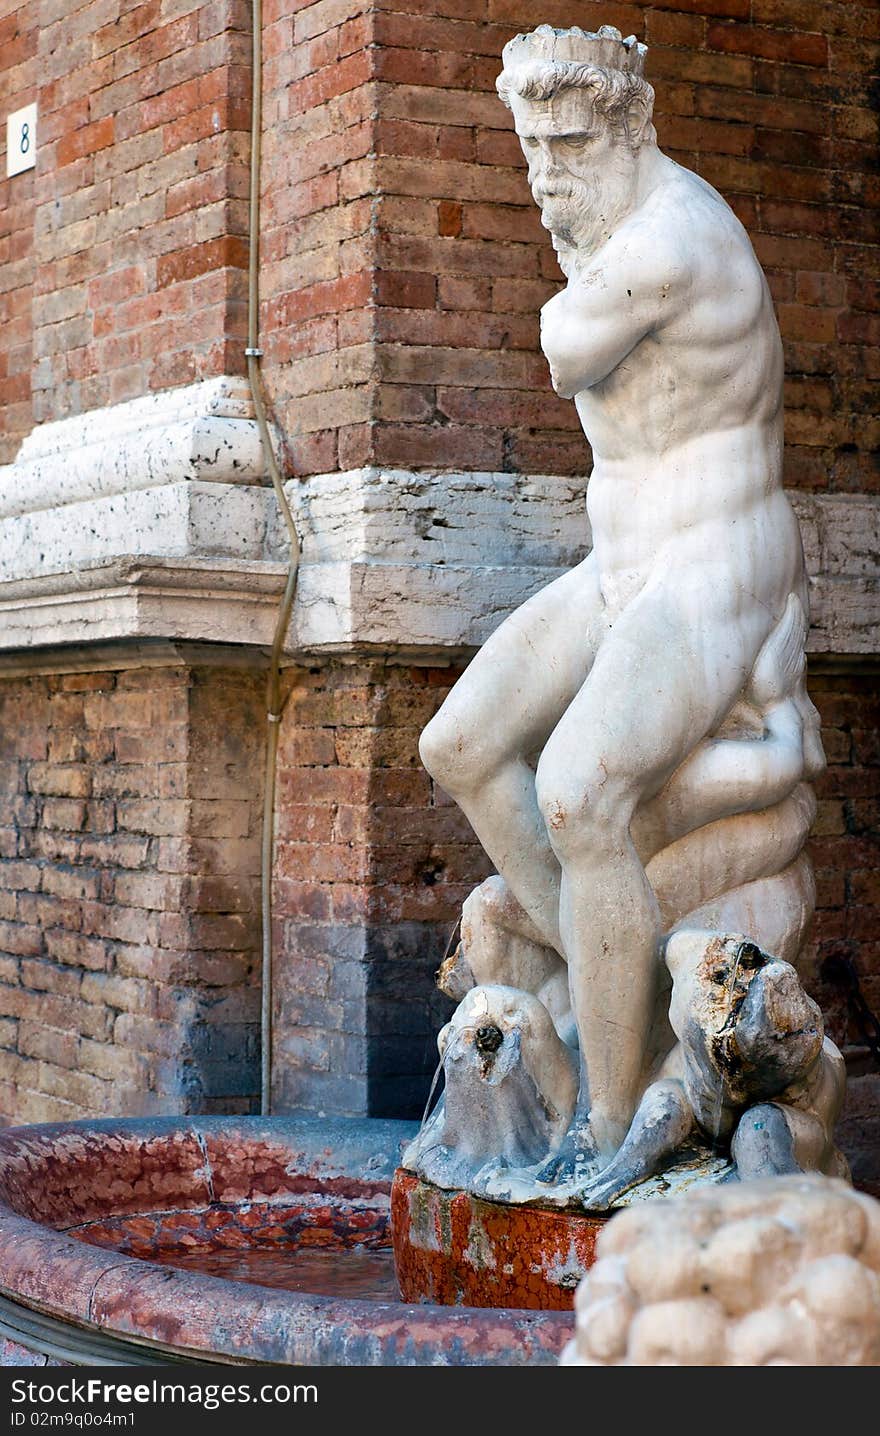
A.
pixel 686 429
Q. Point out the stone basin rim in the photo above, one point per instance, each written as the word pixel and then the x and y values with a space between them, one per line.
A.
pixel 196 1316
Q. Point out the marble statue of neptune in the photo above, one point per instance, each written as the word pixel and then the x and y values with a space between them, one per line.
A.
pixel 633 745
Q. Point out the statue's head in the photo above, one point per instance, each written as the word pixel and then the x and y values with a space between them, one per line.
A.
pixel 582 110
pixel 744 1019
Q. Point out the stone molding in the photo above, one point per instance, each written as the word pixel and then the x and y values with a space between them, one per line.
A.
pixel 474 519
pixel 841 534
pixel 188 520
pixel 426 562
pixel 203 431
pixel 192 600
pixel 152 521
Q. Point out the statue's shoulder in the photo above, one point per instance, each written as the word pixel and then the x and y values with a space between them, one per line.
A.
pixel 691 213
pixel 696 234
pixel 652 247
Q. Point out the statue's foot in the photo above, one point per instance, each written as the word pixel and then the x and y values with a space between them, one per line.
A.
pixel 609 1183
pixel 576 1161
pixel 600 1195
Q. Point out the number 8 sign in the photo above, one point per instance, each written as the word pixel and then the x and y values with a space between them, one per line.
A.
pixel 21 140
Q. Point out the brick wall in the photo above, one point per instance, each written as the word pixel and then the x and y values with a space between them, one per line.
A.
pixel 845 849
pixel 128 244
pixel 129 891
pixel 845 846
pixel 405 261
pixel 18 47
pixel 373 863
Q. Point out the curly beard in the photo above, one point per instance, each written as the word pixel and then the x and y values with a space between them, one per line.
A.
pixel 582 214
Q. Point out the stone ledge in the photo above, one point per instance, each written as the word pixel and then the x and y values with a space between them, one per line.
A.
pixel 416 609
pixel 201 431
pixel 126 653
pixel 420 565
pixel 196 600
pixel 184 520
pixel 473 519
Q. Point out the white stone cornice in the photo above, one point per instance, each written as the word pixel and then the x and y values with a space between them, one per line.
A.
pixel 841 534
pixel 192 600
pixel 179 520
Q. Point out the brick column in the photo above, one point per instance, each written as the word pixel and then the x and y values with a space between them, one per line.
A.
pixel 373 864
pixel 129 891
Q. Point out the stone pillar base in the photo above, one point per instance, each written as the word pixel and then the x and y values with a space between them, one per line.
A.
pixel 456 1250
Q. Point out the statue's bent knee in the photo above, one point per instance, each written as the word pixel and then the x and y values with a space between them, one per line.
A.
pixel 451 757
pixel 580 800
pixel 437 749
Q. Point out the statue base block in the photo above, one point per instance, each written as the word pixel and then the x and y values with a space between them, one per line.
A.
pixel 457 1250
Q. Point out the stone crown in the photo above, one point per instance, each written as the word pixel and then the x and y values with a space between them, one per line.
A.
pixel 606 47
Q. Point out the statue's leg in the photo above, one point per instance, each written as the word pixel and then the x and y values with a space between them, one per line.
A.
pixel 666 674
pixel 500 712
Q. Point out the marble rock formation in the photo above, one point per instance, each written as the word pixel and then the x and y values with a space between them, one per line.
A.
pixel 781 1272
pixel 634 746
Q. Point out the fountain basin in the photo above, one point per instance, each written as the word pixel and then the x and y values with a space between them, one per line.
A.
pixel 94 1214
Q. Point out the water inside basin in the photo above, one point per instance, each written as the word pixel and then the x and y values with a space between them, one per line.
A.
pixel 354 1273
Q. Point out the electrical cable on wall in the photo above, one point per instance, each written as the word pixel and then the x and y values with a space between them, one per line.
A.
pixel 274 706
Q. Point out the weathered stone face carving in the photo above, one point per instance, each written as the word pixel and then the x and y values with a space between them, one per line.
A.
pixel 511 1087
pixel 634 745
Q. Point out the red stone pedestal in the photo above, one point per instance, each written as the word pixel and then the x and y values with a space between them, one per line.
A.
pixel 457 1250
